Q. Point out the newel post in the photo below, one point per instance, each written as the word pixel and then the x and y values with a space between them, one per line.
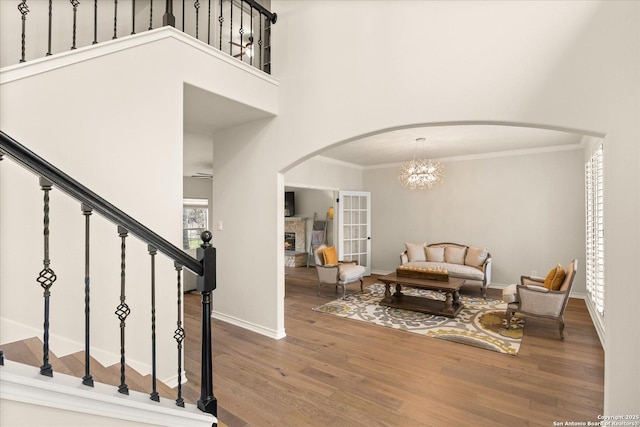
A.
pixel 206 284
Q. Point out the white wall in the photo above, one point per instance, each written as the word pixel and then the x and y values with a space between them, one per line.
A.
pixel 528 210
pixel 571 65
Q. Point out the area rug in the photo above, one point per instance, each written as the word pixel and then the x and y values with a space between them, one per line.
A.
pixel 481 323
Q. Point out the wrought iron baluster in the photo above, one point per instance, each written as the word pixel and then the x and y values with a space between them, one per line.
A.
pixel 75 4
pixel 241 31
pixel 253 48
pixel 23 9
pixel 133 17
pixel 115 19
pixel 154 394
pixel 87 379
pixel 220 20
pixel 260 43
pixel 206 284
pixel 231 28
pixel 122 311
pixel 197 6
pixel 49 36
pixel 150 14
pixel 168 18
pixel 95 21
pixel 46 278
pixel 179 335
pixel 209 24
pixel 183 16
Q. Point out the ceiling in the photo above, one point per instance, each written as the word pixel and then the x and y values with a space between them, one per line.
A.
pixel 448 142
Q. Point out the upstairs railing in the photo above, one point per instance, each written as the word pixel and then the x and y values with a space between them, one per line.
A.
pixel 204 265
pixel 241 28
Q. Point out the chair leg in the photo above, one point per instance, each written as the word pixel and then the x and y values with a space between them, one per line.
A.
pixel 509 314
pixel 561 326
pixel 361 285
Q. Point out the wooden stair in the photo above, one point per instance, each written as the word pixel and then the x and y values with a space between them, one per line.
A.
pixel 29 352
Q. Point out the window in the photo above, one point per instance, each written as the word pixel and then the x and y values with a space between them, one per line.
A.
pixel 594 183
pixel 195 220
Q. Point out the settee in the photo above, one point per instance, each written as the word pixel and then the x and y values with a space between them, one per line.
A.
pixel 460 261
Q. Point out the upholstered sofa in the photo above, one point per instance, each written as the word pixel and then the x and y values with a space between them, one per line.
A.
pixel 461 261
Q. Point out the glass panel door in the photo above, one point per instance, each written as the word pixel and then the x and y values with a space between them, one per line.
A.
pixel 354 227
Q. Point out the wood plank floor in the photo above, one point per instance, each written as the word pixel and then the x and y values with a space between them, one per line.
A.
pixel 340 372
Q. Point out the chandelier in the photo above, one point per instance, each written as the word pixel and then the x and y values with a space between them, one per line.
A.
pixel 421 174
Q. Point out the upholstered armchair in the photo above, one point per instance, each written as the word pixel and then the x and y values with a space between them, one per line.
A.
pixel 336 272
pixel 532 298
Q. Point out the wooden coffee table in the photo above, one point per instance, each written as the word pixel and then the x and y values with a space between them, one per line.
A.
pixel 450 307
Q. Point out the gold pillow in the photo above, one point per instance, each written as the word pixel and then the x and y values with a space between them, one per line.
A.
pixel 554 279
pixel 330 256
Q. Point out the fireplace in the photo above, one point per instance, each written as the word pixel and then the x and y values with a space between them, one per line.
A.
pixel 295 240
pixel 289 241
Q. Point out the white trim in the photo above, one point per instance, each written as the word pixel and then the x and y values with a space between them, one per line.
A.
pixel 86 53
pixel 309 187
pixel 267 332
pixel 597 320
pixel 22 383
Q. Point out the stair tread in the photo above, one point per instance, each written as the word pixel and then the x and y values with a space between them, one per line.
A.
pixel 29 352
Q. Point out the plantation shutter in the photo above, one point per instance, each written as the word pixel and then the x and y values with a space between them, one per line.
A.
pixel 594 198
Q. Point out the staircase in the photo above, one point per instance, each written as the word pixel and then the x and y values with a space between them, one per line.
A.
pixel 81 405
pixel 53 394
pixel 29 351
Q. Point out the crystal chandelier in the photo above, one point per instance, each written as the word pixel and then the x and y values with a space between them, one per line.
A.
pixel 421 174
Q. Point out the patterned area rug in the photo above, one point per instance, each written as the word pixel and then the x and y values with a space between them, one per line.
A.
pixel 481 323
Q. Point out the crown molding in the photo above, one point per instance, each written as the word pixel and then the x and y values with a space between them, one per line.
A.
pixel 492 155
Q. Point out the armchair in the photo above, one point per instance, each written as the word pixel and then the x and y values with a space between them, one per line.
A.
pixel 531 298
pixel 342 273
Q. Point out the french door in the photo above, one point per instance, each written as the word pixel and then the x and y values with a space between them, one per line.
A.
pixel 354 227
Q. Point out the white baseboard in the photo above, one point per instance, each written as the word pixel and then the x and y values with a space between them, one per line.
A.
pixel 267 332
pixel 61 395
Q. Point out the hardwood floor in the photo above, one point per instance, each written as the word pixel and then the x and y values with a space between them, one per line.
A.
pixel 340 372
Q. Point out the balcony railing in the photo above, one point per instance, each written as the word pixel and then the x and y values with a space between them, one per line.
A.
pixel 240 28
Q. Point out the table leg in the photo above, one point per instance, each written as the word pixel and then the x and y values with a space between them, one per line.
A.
pixel 456 297
pixel 387 293
pixel 448 303
pixel 398 290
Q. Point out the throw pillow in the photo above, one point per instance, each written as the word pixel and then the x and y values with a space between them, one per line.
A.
pixel 435 254
pixel 454 255
pixel 554 279
pixel 415 251
pixel 476 256
pixel 330 256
